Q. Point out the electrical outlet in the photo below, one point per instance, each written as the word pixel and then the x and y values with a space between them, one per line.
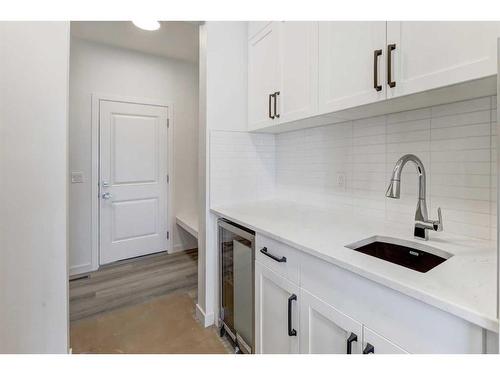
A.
pixel 341 181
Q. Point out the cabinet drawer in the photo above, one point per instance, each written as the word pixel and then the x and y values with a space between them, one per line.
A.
pixel 282 259
pixel 379 344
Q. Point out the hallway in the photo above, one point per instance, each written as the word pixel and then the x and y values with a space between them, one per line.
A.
pixel 141 305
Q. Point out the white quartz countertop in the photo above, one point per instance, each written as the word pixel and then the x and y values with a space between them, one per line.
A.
pixel 463 285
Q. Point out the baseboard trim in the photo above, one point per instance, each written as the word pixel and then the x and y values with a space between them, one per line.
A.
pixel 79 269
pixel 205 319
pixel 180 247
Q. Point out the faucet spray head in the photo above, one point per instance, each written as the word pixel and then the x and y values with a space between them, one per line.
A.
pixel 393 191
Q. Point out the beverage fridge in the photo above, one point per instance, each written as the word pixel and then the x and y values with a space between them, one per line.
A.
pixel 236 280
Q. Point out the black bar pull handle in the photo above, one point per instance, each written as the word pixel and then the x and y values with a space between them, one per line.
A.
pixel 291 331
pixel 369 349
pixel 376 54
pixel 352 337
pixel 276 94
pixel 390 48
pixel 271 116
pixel 273 257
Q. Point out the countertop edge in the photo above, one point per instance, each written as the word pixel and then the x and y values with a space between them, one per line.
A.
pixel 481 320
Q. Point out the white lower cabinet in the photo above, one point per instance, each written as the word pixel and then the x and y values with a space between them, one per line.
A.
pixel 306 305
pixel 373 343
pixel 325 330
pixel 276 313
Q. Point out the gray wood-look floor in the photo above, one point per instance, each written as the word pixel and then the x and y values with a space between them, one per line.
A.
pixel 133 281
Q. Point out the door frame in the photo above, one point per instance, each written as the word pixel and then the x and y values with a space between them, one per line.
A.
pixel 97 98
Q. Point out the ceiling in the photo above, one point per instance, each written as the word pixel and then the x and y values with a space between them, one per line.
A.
pixel 174 39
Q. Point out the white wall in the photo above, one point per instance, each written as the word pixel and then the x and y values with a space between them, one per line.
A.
pixel 242 167
pixel 456 142
pixel 223 105
pixel 34 60
pixel 98 68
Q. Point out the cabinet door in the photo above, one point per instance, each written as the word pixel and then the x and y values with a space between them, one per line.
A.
pixel 298 97
pixel 347 64
pixel 263 75
pixel 429 55
pixel 275 299
pixel 324 329
pixel 373 343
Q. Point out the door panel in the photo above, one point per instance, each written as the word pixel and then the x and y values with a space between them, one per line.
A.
pixel 263 75
pixel 380 344
pixel 436 54
pixel 133 186
pixel 271 313
pixel 346 64
pixel 299 70
pixel 134 218
pixel 135 149
pixel 324 329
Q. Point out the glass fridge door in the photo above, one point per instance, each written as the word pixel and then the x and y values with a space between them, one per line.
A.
pixel 236 262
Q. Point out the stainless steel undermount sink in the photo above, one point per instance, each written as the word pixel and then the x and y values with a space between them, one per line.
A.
pixel 418 257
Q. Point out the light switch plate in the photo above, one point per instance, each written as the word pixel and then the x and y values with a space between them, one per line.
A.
pixel 77 177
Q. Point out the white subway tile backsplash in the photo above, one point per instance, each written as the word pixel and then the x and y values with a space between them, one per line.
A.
pixel 417 114
pixel 475 130
pixel 473 105
pixel 456 142
pixel 242 167
pixel 461 119
pixel 470 143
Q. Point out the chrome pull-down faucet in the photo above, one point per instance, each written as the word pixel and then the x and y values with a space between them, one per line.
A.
pixel 422 222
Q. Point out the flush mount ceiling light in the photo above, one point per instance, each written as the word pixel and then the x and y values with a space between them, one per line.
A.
pixel 147 25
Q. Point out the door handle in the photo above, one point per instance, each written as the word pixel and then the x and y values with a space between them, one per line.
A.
pixel 271 116
pixel 352 337
pixel 291 331
pixel 376 54
pixel 273 257
pixel 369 349
pixel 276 94
pixel 390 48
pixel 107 195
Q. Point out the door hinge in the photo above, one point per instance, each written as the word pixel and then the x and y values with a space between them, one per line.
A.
pixel 168 123
pixel 168 235
pixel 168 179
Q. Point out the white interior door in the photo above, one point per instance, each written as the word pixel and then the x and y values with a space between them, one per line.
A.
pixel 133 180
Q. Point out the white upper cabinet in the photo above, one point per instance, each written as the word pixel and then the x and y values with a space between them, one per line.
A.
pixel 428 55
pixel 298 96
pixel 300 70
pixel 351 64
pixel 263 76
pixel 282 73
